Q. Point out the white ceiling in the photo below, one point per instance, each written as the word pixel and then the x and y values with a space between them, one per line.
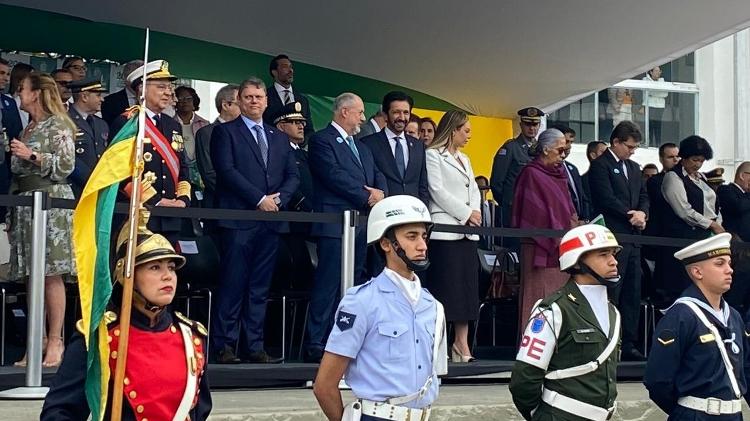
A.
pixel 490 57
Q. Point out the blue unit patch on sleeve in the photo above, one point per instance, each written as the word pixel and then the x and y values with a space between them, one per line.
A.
pixel 537 324
pixel 344 320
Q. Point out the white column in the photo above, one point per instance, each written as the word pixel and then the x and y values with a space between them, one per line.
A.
pixel 742 96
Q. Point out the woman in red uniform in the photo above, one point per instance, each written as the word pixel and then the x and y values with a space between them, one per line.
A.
pixel 165 375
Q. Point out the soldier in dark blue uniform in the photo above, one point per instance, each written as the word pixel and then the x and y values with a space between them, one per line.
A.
pixel 165 375
pixel 696 369
pixel 92 132
pixel 510 159
pixel 163 153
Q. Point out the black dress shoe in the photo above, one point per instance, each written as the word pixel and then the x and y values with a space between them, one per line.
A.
pixel 261 357
pixel 227 356
pixel 632 354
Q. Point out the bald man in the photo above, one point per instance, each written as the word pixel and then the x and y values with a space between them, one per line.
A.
pixel 735 202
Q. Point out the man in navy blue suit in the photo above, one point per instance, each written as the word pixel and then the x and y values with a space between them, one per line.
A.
pixel 255 170
pixel 398 156
pixel 345 177
pixel 10 122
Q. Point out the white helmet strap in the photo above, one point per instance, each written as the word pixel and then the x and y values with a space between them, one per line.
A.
pixel 586 270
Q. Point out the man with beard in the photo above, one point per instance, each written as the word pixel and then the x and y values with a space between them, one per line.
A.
pixel 345 177
pixel 398 156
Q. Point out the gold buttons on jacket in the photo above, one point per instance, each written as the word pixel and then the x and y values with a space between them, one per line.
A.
pixel 132 394
pixel 126 381
pixel 196 341
pixel 113 355
pixel 117 332
pixel 173 329
pixel 139 409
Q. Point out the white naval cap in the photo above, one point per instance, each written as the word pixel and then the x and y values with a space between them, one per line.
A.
pixel 157 69
pixel 718 245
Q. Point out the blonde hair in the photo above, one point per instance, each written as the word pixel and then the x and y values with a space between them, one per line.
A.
pixel 49 97
pixel 450 122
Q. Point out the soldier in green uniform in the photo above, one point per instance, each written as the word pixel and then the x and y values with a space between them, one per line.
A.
pixel 566 366
pixel 510 159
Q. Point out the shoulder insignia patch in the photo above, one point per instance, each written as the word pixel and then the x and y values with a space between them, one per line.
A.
pixel 345 321
pixel 667 342
pixel 194 325
pixel 537 324
pixel 502 152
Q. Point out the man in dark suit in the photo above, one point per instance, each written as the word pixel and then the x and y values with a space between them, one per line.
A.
pixel 255 170
pixel 575 183
pixel 10 127
pixel 282 92
pixel 735 203
pixel 619 194
pixel 398 156
pixel 659 209
pixel 294 267
pixel 165 162
pixel 594 150
pixel 226 104
pixel 345 177
pixel 93 132
pixel 114 104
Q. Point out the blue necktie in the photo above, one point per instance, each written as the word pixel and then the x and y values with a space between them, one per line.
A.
pixel 260 136
pixel 353 147
pixel 399 155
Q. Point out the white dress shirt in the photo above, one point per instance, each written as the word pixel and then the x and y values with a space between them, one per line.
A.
pixel 280 89
pixel 596 295
pixel 392 141
pixel 412 289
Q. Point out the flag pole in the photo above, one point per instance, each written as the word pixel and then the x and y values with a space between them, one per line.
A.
pixel 127 282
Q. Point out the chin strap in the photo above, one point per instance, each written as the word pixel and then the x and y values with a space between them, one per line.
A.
pixel 584 269
pixel 413 265
pixel 149 306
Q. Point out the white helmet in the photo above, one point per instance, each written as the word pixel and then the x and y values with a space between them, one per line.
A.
pixel 393 211
pixel 583 239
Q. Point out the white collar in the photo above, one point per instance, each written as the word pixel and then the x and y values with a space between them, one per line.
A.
pixel 293 145
pixel 280 88
pixel 375 125
pixel 340 129
pixel 150 113
pixel 613 154
pixel 390 134
pixel 411 289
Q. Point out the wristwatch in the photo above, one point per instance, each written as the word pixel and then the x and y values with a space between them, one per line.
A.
pixel 32 157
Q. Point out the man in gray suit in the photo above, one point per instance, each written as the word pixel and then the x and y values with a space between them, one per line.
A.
pixel 226 104
pixel 510 160
pixel 374 125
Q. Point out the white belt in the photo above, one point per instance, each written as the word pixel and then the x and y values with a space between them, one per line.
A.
pixel 394 412
pixel 711 406
pixel 576 407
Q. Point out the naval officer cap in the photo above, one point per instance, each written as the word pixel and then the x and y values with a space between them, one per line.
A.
pixel 531 114
pixel 289 112
pixel 87 85
pixel 715 246
pixel 157 69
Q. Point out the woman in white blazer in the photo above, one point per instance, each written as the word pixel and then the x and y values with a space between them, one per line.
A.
pixel 455 200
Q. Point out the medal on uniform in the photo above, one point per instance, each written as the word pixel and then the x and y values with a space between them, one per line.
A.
pixel 147 156
pixel 178 143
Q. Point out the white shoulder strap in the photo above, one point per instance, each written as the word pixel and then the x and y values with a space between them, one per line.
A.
pixel 592 366
pixel 719 344
pixel 192 377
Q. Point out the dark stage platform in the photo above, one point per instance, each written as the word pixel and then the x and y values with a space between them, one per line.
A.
pixel 251 376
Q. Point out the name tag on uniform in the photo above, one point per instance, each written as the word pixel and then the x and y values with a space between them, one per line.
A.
pixel 708 337
pixel 585 330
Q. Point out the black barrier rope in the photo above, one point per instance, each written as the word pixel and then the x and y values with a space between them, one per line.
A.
pixel 334 218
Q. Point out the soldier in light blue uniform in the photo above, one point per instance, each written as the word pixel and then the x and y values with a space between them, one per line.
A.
pixel 389 334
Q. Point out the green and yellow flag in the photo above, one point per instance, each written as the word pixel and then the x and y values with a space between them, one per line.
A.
pixel 92 230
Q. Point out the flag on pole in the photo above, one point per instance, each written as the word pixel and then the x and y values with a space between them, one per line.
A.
pixel 92 230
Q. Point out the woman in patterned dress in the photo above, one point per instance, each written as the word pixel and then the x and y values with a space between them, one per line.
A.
pixel 42 160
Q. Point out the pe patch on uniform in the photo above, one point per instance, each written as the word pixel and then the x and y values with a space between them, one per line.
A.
pixel 345 321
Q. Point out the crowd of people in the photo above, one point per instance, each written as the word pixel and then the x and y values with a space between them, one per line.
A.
pixel 263 153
